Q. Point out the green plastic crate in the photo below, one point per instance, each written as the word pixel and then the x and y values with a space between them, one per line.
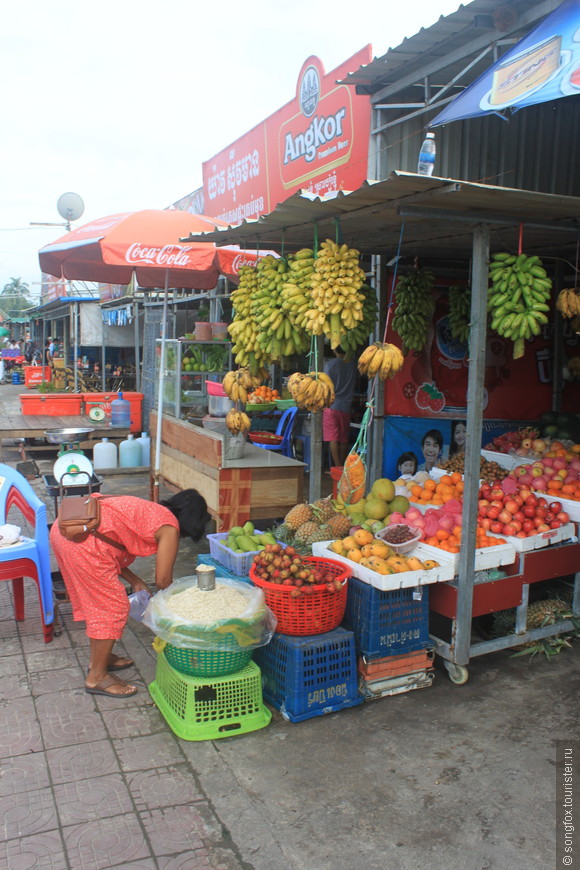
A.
pixel 206 663
pixel 206 709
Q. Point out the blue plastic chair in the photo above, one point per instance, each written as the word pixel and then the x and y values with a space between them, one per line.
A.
pixel 31 556
pixel 285 428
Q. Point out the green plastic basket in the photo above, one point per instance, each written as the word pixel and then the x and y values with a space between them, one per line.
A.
pixel 206 663
pixel 258 408
pixel 283 404
pixel 196 709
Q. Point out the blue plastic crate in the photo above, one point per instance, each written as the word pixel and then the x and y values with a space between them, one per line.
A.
pixel 220 570
pixel 311 675
pixel 386 623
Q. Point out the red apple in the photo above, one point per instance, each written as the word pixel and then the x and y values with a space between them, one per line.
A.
pixel 543 527
pixel 537 521
pixel 555 506
pixel 521 535
pixel 519 516
pixel 496 528
pixel 563 517
pixel 542 502
pixel 504 516
pixel 511 505
pixel 555 524
pixel 509 529
pixel 497 493
pixel 527 526
pixel 517 524
pixel 492 512
pixel 531 500
pixel 485 523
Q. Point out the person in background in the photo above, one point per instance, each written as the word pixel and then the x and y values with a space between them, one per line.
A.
pixel 407 465
pixel 458 436
pixel 431 445
pixel 336 419
pixel 91 570
pixel 47 353
pixel 52 347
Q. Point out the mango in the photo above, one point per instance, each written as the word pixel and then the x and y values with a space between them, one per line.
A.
pixel 248 528
pixel 245 543
pixel 235 531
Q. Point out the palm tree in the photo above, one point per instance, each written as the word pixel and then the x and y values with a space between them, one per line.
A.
pixel 15 297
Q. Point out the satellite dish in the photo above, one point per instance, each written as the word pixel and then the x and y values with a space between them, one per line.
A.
pixel 70 206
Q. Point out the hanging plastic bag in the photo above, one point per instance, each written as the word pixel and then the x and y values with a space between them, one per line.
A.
pixel 353 481
pixel 251 628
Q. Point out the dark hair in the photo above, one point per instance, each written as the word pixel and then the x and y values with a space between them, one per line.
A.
pixel 190 510
pixel 435 434
pixel 409 456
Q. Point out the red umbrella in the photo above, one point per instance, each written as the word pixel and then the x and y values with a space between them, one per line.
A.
pixel 145 243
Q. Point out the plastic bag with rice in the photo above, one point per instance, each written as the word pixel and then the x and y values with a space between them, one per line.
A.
pixel 234 615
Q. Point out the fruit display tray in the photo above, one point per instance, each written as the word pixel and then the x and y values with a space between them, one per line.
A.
pixel 507 460
pixel 385 582
pixel 485 557
pixel 544 539
pixel 569 505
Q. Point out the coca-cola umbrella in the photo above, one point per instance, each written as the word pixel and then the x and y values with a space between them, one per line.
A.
pixel 145 244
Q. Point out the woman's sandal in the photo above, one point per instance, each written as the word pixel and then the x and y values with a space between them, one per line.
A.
pixel 103 687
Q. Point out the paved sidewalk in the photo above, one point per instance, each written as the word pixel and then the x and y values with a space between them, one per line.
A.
pixel 449 778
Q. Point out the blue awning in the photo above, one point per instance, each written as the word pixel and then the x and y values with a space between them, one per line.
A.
pixel 543 66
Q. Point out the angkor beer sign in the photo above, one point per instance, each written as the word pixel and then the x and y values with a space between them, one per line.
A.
pixel 318 141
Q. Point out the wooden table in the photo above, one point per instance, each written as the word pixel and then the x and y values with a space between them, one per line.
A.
pixel 261 485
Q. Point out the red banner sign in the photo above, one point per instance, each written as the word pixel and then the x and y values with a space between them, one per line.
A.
pixel 318 141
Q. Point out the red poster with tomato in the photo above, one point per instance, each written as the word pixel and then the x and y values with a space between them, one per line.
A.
pixel 318 141
pixel 435 380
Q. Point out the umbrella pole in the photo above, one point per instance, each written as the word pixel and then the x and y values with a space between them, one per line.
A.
pixel 160 392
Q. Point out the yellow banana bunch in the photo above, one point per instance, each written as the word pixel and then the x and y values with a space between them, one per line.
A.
pixel 244 329
pixel 336 297
pixel 518 297
pixel 568 303
pixel 381 360
pixel 237 422
pixel 359 336
pixel 313 391
pixel 238 384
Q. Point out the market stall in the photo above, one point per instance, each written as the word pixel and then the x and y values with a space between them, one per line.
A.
pixel 448 223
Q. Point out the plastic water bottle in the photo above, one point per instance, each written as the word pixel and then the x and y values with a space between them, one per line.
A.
pixel 145 442
pixel 129 453
pixel 104 454
pixel 121 412
pixel 426 163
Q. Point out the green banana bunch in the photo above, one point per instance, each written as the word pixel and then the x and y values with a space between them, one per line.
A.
pixel 459 312
pixel 518 298
pixel 358 336
pixel 243 329
pixel 415 307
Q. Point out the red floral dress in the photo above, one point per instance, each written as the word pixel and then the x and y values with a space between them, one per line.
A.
pixel 90 569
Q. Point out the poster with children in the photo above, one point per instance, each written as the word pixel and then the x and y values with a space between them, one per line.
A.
pixel 414 444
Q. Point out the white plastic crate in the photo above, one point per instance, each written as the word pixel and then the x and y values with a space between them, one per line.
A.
pixel 386 582
pixel 485 557
pixel 239 563
pixel 569 505
pixel 544 539
pixel 507 460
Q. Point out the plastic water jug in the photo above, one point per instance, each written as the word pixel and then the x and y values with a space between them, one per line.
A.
pixel 145 442
pixel 129 452
pixel 104 454
pixel 15 377
pixel 121 412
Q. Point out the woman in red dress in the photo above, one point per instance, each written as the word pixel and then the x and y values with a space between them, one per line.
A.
pixel 92 569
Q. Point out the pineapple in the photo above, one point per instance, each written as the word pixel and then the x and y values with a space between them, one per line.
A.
pixel 305 531
pixel 546 612
pixel 322 509
pixel 299 515
pixel 339 526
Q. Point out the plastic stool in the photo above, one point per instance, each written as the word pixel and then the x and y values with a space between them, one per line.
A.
pixel 305 441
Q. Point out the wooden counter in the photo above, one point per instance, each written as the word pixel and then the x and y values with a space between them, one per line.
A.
pixel 263 484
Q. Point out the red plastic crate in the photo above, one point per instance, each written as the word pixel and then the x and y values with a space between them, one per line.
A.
pixel 310 613
pixel 33 375
pixel 103 400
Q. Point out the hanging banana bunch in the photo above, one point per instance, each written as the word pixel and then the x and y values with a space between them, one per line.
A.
pixel 459 312
pixel 358 336
pixel 568 303
pixel 313 391
pixel 382 360
pixel 337 301
pixel 238 384
pixel 415 307
pixel 243 329
pixel 518 297
pixel 237 422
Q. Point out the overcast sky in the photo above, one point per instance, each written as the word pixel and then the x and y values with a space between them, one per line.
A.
pixel 121 101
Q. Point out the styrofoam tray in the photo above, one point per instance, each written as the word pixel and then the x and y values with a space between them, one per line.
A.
pixel 507 460
pixel 571 507
pixel 485 557
pixel 445 571
pixel 544 539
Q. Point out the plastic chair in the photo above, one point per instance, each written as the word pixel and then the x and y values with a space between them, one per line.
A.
pixel 285 428
pixel 30 557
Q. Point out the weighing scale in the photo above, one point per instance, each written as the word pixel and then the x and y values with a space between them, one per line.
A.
pixel 70 461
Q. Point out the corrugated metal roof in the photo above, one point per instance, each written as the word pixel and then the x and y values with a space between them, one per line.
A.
pixel 449 32
pixel 370 219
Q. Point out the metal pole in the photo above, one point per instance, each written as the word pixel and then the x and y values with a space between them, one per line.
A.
pixel 477 342
pixel 103 382
pixel 137 358
pixel 160 392
pixel 76 310
pixel 316 443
